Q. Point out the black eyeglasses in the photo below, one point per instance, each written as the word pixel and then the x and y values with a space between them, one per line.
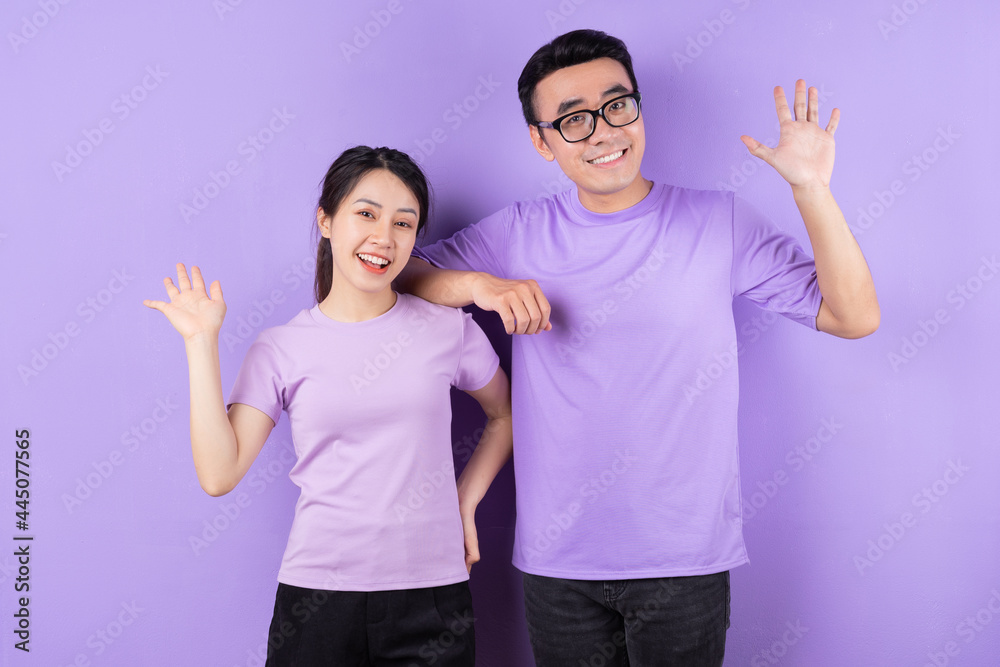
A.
pixel 579 125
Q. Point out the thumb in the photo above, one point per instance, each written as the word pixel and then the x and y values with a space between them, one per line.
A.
pixel 757 149
pixel 215 290
pixel 471 546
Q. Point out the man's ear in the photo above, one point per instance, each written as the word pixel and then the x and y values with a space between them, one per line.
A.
pixel 323 220
pixel 538 141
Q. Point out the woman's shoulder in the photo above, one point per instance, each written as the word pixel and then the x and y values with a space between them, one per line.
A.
pixel 421 310
pixel 302 321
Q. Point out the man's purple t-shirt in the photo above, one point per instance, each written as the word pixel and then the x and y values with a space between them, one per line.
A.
pixel 625 446
pixel 370 410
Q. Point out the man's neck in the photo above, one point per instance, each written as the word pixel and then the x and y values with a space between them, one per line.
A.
pixel 617 201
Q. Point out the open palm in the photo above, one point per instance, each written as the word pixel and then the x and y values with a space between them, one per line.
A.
pixel 804 154
pixel 191 310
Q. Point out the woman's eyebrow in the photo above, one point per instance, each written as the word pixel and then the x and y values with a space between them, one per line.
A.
pixel 377 205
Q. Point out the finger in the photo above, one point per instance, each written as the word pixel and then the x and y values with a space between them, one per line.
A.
pixel 471 551
pixel 154 304
pixel 800 100
pixel 172 291
pixel 757 149
pixel 781 105
pixel 182 277
pixel 534 313
pixel 813 113
pixel 831 127
pixel 521 317
pixel 545 309
pixel 215 290
pixel 508 319
pixel 197 282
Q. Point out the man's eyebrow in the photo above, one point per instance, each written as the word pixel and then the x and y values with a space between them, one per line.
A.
pixel 569 104
pixel 577 102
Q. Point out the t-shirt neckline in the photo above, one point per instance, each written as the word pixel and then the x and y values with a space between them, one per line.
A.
pixel 388 318
pixel 640 208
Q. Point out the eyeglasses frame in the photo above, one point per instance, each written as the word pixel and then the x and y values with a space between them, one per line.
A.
pixel 557 123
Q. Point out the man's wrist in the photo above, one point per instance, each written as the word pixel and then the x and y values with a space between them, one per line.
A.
pixel 470 282
pixel 811 193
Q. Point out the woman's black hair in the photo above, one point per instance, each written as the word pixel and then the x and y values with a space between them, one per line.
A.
pixel 573 48
pixel 344 175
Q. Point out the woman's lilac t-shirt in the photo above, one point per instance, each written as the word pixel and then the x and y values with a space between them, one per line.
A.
pixel 370 411
pixel 625 440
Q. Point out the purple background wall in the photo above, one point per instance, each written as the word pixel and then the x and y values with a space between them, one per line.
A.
pixel 121 119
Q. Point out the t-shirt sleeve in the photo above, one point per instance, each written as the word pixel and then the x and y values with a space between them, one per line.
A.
pixel 479 247
pixel 770 267
pixel 479 361
pixel 259 383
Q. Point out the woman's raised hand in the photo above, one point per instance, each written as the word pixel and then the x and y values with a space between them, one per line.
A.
pixel 191 310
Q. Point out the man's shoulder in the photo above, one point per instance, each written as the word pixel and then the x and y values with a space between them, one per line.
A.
pixel 560 205
pixel 697 196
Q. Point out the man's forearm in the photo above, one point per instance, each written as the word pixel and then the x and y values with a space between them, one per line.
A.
pixel 841 270
pixel 441 286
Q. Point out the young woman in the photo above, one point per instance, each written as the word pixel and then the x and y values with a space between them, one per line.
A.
pixel 374 570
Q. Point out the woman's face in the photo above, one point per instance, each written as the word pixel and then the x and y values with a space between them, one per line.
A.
pixel 372 232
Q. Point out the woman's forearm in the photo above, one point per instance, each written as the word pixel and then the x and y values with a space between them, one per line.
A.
pixel 213 441
pixel 493 451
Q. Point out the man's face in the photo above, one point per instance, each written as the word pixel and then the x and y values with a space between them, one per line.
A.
pixel 603 186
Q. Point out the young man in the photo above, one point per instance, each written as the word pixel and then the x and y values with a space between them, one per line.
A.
pixel 628 501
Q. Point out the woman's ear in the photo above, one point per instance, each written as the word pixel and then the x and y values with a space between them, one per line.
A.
pixel 323 220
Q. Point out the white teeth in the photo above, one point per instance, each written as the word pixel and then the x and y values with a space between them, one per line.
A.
pixel 373 259
pixel 608 158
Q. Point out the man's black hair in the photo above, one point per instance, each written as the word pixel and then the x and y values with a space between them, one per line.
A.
pixel 573 48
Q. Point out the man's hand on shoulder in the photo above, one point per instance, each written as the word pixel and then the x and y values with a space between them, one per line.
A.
pixel 520 303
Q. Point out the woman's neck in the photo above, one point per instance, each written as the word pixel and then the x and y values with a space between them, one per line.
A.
pixel 346 305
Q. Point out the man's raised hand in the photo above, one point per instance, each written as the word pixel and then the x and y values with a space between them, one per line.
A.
pixel 804 154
